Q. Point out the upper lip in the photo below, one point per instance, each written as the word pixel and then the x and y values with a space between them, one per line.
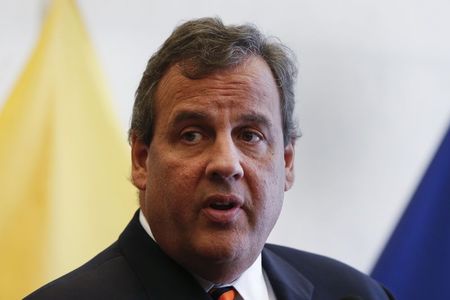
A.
pixel 230 199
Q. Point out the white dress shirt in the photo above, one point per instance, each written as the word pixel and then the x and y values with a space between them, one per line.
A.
pixel 253 284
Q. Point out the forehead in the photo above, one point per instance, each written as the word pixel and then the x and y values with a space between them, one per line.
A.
pixel 249 86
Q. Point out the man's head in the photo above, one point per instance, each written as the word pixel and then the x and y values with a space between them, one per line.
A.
pixel 213 145
pixel 206 45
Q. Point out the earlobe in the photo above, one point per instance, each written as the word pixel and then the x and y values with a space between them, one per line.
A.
pixel 289 155
pixel 139 153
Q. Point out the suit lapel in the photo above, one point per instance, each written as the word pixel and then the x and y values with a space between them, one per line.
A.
pixel 161 277
pixel 287 283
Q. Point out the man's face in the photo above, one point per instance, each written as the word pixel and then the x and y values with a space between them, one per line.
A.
pixel 213 178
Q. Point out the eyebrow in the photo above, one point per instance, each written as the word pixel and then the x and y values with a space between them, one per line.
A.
pixel 184 116
pixel 257 118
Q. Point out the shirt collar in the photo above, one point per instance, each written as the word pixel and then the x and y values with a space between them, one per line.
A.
pixel 145 225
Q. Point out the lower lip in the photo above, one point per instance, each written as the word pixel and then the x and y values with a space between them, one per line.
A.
pixel 221 216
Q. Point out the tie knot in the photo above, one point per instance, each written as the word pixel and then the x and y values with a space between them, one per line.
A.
pixel 223 293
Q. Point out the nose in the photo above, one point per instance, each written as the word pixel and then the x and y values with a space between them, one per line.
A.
pixel 224 161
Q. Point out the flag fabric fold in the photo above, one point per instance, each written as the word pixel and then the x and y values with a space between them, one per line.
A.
pixel 64 168
pixel 415 264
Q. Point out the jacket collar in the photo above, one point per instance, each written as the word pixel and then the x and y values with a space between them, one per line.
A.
pixel 287 282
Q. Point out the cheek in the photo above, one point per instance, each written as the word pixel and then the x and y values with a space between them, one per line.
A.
pixel 270 172
pixel 172 180
pixel 267 188
pixel 274 180
pixel 274 189
pixel 182 174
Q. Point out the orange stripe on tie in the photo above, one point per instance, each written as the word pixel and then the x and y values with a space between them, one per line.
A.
pixel 223 293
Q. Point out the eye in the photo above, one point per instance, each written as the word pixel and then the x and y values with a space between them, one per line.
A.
pixel 250 136
pixel 191 137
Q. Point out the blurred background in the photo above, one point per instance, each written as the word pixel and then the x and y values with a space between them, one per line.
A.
pixel 373 101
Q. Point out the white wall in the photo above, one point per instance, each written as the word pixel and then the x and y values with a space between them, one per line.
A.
pixel 373 98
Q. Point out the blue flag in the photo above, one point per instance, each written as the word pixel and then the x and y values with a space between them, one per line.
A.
pixel 415 265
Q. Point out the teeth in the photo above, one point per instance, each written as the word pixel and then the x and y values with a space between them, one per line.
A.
pixel 221 206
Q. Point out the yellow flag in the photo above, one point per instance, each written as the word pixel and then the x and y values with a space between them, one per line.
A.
pixel 64 164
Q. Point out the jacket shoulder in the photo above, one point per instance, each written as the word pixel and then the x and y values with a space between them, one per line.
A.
pixel 100 278
pixel 330 277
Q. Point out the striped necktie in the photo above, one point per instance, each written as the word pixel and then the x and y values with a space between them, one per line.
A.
pixel 223 293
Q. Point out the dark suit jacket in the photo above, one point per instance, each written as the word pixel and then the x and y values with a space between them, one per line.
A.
pixel 134 267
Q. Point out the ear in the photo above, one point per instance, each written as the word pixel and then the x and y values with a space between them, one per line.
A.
pixel 289 155
pixel 139 153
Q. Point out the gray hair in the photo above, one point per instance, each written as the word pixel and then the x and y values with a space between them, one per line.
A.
pixel 203 46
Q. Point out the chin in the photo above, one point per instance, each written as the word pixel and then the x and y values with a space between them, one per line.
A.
pixel 218 259
pixel 225 247
pixel 219 263
pixel 220 252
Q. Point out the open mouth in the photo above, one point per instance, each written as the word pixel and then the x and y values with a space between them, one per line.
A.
pixel 223 209
pixel 222 205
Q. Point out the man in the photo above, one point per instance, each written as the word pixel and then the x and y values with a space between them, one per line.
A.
pixel 212 145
